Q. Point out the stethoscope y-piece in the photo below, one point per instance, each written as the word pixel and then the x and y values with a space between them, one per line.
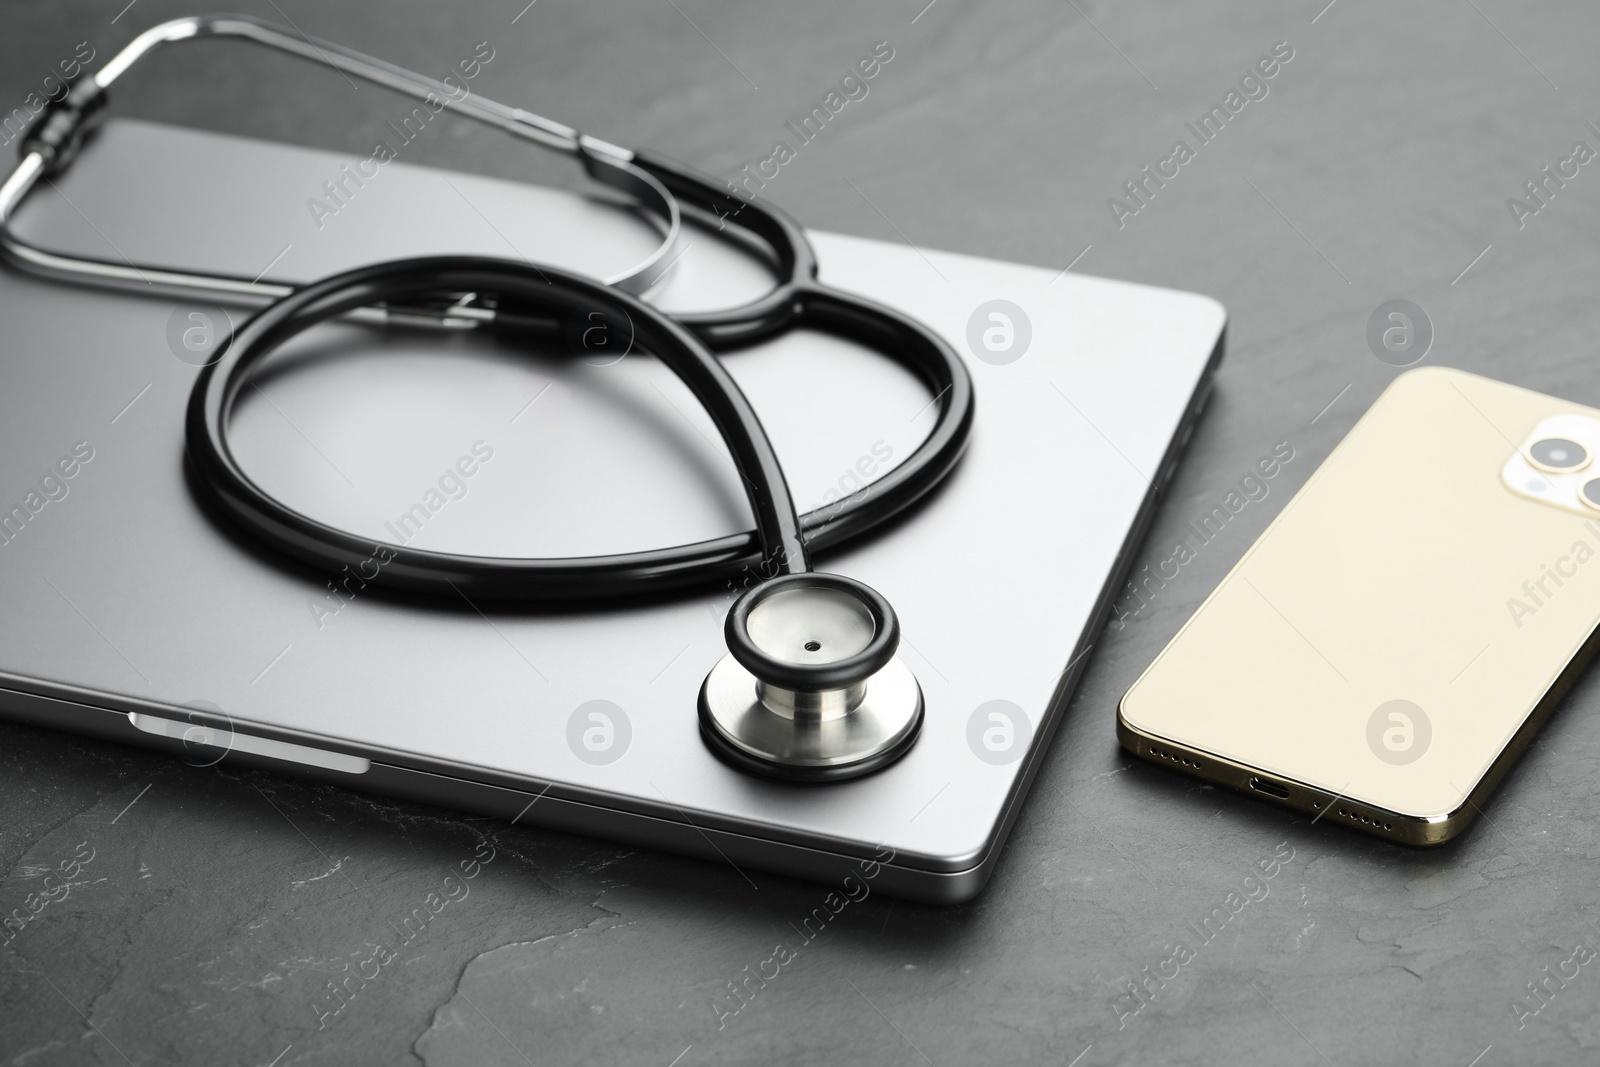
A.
pixel 811 688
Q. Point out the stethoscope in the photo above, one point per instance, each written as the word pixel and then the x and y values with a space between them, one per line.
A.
pixel 811 688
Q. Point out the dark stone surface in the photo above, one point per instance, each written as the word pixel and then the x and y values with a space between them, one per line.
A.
pixel 217 909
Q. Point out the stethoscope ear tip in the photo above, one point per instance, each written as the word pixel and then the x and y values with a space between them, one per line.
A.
pixel 811 688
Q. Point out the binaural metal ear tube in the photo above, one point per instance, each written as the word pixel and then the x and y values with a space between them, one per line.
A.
pixel 61 131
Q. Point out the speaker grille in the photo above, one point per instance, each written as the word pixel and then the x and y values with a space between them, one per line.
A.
pixel 1184 761
pixel 1373 822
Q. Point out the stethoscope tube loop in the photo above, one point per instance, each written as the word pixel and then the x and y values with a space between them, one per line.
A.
pixel 537 292
pixel 740 560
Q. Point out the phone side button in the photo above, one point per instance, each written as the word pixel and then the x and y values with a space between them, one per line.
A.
pixel 231 741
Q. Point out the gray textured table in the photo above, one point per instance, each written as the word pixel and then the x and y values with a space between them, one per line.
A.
pixel 219 907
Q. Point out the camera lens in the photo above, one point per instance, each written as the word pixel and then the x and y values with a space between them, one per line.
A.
pixel 1590 493
pixel 1558 455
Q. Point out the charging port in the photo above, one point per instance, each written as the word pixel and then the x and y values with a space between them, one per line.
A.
pixel 1272 789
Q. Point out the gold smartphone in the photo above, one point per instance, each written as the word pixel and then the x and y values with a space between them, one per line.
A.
pixel 1392 642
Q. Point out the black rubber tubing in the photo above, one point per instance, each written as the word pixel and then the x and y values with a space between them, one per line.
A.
pixel 539 301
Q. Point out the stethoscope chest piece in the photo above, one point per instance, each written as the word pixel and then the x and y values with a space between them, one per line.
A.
pixel 811 688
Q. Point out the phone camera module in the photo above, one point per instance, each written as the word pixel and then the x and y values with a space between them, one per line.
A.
pixel 1590 493
pixel 1558 455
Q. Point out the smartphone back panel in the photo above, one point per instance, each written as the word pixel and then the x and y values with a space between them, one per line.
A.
pixel 1388 645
